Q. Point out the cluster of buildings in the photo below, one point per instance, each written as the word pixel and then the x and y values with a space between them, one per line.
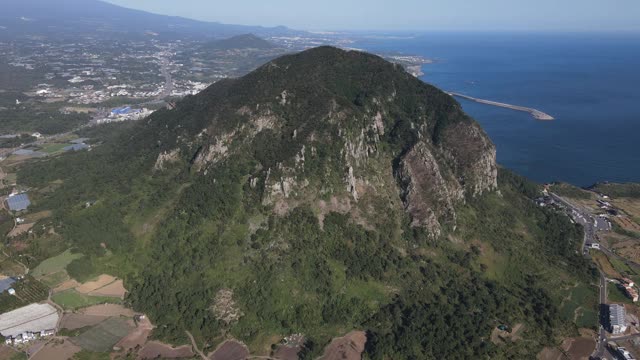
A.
pixel 125 113
pixel 28 336
pixel 630 289
pixel 28 323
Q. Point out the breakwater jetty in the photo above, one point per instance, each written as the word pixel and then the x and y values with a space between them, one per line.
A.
pixel 537 114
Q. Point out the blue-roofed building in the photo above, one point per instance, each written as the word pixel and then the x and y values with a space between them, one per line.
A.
pixel 121 111
pixel 18 202
pixel 5 284
pixel 75 147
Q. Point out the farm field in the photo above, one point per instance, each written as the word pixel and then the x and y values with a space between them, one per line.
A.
pixel 103 336
pixel 28 290
pixel 155 349
pixel 9 267
pixel 90 286
pixel 115 289
pixel 71 299
pixel 57 350
pixel 73 321
pixel 604 264
pixel 55 279
pixel 230 350
pixel 53 148
pixel 107 310
pixel 55 264
pixel 138 337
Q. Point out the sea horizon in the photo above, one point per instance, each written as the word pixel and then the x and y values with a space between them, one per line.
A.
pixel 586 81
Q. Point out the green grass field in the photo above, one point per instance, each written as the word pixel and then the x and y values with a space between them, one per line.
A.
pixel 621 267
pixel 55 264
pixel 71 299
pixel 617 294
pixel 581 306
pixel 55 279
pixel 103 336
pixel 587 318
pixel 53 148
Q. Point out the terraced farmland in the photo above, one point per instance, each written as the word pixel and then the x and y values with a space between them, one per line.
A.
pixel 28 291
pixel 103 336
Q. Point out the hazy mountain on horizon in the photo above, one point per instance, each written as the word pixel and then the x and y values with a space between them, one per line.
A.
pixel 69 18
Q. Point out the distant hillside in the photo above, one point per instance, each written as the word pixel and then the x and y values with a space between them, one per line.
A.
pixel 244 41
pixel 68 18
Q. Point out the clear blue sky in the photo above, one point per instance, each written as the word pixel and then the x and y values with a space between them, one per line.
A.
pixel 521 15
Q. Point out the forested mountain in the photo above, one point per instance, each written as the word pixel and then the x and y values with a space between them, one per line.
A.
pixel 71 18
pixel 326 191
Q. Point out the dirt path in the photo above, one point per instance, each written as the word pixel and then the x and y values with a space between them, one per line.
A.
pixel 195 346
pixel 60 309
pixel 26 269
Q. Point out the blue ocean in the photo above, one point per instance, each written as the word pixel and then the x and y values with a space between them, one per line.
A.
pixel 589 83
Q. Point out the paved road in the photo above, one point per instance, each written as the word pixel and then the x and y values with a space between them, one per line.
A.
pixel 599 351
pixel 168 86
pixel 590 224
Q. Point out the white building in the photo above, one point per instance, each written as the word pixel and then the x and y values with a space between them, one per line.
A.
pixel 617 321
pixel 23 323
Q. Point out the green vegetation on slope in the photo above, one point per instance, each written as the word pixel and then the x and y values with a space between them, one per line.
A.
pixel 507 262
pixel 630 190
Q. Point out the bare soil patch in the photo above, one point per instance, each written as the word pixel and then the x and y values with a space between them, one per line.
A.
pixel 550 353
pixel 156 349
pixel 57 350
pixel 90 286
pixel 38 216
pixel 107 310
pixel 287 353
pixel 137 337
pixel 230 350
pixel 74 321
pixel 20 229
pixel 69 284
pixel 348 347
pixel 579 348
pixel 115 289
pixel 6 352
pixel 604 264
pixel 500 337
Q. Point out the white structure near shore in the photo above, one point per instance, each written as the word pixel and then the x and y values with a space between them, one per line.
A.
pixel 28 323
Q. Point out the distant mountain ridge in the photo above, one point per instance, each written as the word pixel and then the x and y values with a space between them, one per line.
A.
pixel 98 18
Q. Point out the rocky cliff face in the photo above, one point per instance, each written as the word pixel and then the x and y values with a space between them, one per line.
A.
pixel 331 123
